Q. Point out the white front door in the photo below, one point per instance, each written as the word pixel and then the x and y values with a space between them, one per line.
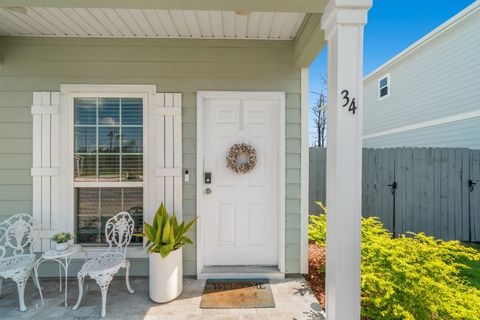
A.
pixel 241 212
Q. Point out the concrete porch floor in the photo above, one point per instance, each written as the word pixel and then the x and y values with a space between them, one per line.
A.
pixel 293 299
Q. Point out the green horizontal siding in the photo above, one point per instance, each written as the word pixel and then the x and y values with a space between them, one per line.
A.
pixel 186 66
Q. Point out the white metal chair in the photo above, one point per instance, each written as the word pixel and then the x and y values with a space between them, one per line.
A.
pixel 118 233
pixel 16 255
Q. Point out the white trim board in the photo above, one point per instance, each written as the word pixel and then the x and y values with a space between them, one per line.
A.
pixel 462 15
pixel 425 124
pixel 304 172
pixel 108 88
pixel 201 97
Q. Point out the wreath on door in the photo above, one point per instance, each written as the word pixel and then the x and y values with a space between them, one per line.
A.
pixel 233 158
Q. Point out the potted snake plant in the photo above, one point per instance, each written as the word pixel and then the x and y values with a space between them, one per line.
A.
pixel 165 238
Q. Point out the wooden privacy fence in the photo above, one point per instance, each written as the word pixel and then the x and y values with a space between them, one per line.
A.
pixel 431 190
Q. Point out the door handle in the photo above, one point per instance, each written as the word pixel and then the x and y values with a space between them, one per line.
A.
pixel 471 185
pixel 208 191
pixel 393 186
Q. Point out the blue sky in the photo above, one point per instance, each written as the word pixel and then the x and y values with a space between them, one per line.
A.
pixel 392 26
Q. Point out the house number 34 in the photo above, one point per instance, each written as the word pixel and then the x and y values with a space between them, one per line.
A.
pixel 348 102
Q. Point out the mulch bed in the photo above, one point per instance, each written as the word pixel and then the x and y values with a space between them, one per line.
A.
pixel 316 272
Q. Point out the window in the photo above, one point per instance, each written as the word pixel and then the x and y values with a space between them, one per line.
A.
pixel 384 87
pixel 108 163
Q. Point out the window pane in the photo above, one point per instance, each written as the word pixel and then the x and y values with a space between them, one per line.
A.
pixel 108 139
pixel 109 111
pixel 85 139
pixel 132 140
pixel 85 111
pixel 383 92
pixel 132 111
pixel 383 82
pixel 132 168
pixel 111 201
pixel 133 204
pixel 133 200
pixel 87 215
pixel 108 167
pixel 96 205
pixel 88 229
pixel 88 199
pixel 85 167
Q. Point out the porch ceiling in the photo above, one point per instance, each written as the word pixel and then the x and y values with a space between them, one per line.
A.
pixel 148 23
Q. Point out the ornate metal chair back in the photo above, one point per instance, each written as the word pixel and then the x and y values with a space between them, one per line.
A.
pixel 118 232
pixel 16 235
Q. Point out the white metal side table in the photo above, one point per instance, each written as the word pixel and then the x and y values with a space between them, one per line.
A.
pixel 63 258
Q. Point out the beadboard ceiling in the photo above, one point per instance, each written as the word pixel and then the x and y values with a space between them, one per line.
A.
pixel 148 23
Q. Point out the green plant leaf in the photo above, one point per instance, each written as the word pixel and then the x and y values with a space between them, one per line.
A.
pixel 180 231
pixel 164 215
pixel 149 231
pixel 187 240
pixel 155 219
pixel 166 232
pixel 171 239
pixel 165 250
pixel 139 235
pixel 190 224
pixel 159 224
pixel 174 222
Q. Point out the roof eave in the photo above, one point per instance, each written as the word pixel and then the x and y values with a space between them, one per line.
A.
pixel 315 6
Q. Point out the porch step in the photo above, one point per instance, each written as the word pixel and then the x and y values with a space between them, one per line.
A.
pixel 240 272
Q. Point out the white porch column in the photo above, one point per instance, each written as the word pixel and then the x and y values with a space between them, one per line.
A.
pixel 343 23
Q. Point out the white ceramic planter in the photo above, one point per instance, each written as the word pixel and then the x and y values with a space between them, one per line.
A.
pixel 61 246
pixel 166 276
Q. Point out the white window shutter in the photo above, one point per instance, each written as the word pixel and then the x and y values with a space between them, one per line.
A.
pixel 165 153
pixel 46 162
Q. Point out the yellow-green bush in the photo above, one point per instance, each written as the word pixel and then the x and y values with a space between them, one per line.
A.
pixel 317 228
pixel 413 276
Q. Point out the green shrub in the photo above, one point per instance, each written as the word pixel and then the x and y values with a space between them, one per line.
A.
pixel 317 229
pixel 413 276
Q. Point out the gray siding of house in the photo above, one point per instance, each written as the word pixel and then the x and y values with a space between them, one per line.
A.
pixel 458 134
pixel 174 65
pixel 438 80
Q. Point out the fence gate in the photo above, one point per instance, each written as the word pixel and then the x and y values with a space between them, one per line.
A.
pixel 474 192
pixel 377 174
pixel 432 195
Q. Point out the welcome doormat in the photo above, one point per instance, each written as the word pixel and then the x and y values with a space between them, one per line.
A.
pixel 237 294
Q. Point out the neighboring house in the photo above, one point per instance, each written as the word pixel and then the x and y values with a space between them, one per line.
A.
pixel 118 105
pixel 429 94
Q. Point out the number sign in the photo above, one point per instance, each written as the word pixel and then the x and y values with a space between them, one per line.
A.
pixel 350 103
